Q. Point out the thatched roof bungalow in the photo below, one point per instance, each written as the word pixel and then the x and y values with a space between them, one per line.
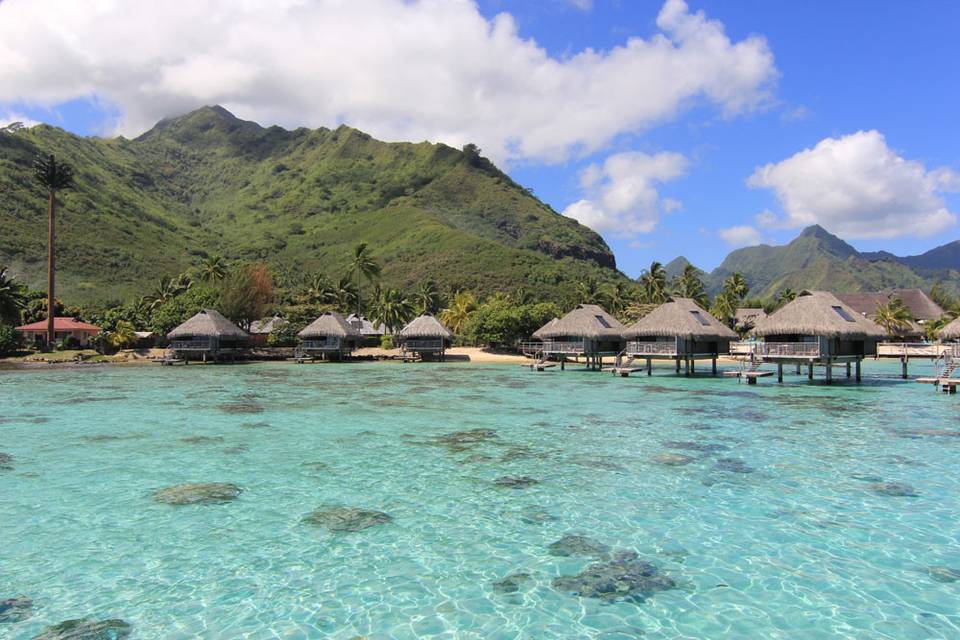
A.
pixel 261 329
pixel 678 330
pixel 586 331
pixel 330 336
pixel 922 308
pixel 424 335
pixel 207 335
pixel 817 328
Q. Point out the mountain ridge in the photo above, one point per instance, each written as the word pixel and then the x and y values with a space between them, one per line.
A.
pixel 209 183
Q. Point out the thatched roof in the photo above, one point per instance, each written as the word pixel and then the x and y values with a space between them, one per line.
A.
pixel 748 316
pixel 951 331
pixel 209 323
pixel 426 326
pixel 920 305
pixel 680 318
pixel 586 321
pixel 364 326
pixel 332 324
pixel 267 325
pixel 818 313
pixel 538 334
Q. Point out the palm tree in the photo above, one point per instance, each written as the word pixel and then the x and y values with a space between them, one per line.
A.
pixel 894 317
pixel 392 309
pixel 212 269
pixel 168 289
pixel 123 335
pixel 654 283
pixel 458 313
pixel 12 298
pixel 52 176
pixel 724 306
pixel 590 291
pixel 363 264
pixel 320 290
pixel 344 294
pixel 689 284
pixel 737 286
pixel 427 298
pixel 787 295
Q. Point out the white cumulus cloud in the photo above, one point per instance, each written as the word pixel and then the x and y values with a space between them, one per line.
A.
pixel 622 196
pixel 858 187
pixel 740 236
pixel 399 69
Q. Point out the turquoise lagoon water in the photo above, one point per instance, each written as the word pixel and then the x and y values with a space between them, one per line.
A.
pixel 801 547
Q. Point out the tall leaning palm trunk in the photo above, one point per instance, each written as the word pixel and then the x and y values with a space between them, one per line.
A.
pixel 53 176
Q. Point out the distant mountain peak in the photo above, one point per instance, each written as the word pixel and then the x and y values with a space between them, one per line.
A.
pixel 211 121
pixel 826 241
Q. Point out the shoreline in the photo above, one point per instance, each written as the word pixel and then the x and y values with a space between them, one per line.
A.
pixel 454 355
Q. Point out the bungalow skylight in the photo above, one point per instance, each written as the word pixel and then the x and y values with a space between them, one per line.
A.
pixel 603 322
pixel 700 318
pixel 843 313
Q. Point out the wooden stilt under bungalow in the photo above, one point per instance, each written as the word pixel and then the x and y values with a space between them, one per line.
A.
pixel 587 332
pixel 677 330
pixel 330 336
pixel 424 337
pixel 815 329
pixel 207 336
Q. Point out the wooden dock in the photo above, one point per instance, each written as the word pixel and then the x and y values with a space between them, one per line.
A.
pixel 539 366
pixel 623 372
pixel 751 376
pixel 946 385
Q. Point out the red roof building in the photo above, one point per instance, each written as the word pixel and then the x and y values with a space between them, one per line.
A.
pixel 63 328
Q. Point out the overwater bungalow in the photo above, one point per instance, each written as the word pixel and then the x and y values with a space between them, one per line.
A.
pixel 588 332
pixel 424 336
pixel 677 330
pixel 330 336
pixel 921 307
pixel 207 336
pixel 815 329
pixel 951 332
pixel 370 333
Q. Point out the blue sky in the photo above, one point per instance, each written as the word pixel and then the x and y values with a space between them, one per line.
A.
pixel 677 172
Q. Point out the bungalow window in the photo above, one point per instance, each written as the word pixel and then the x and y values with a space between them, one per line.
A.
pixel 603 322
pixel 843 313
pixel 700 318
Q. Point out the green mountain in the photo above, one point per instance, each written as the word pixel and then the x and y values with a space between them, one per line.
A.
pixel 209 183
pixel 817 259
pixel 675 267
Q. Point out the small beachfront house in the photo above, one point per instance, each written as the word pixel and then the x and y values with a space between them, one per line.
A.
pixel 588 331
pixel 260 330
pixel 207 336
pixel 329 336
pixel 370 333
pixel 424 336
pixel 64 328
pixel 816 329
pixel 677 330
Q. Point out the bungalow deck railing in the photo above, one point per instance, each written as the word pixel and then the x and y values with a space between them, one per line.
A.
pixel 572 347
pixel 786 349
pixel 530 349
pixel 329 344
pixel 423 345
pixel 659 348
pixel 914 349
pixel 196 344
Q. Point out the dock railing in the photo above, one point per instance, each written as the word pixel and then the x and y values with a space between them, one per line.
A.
pixel 660 348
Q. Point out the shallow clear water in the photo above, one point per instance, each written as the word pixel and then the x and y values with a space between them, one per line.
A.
pixel 802 547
